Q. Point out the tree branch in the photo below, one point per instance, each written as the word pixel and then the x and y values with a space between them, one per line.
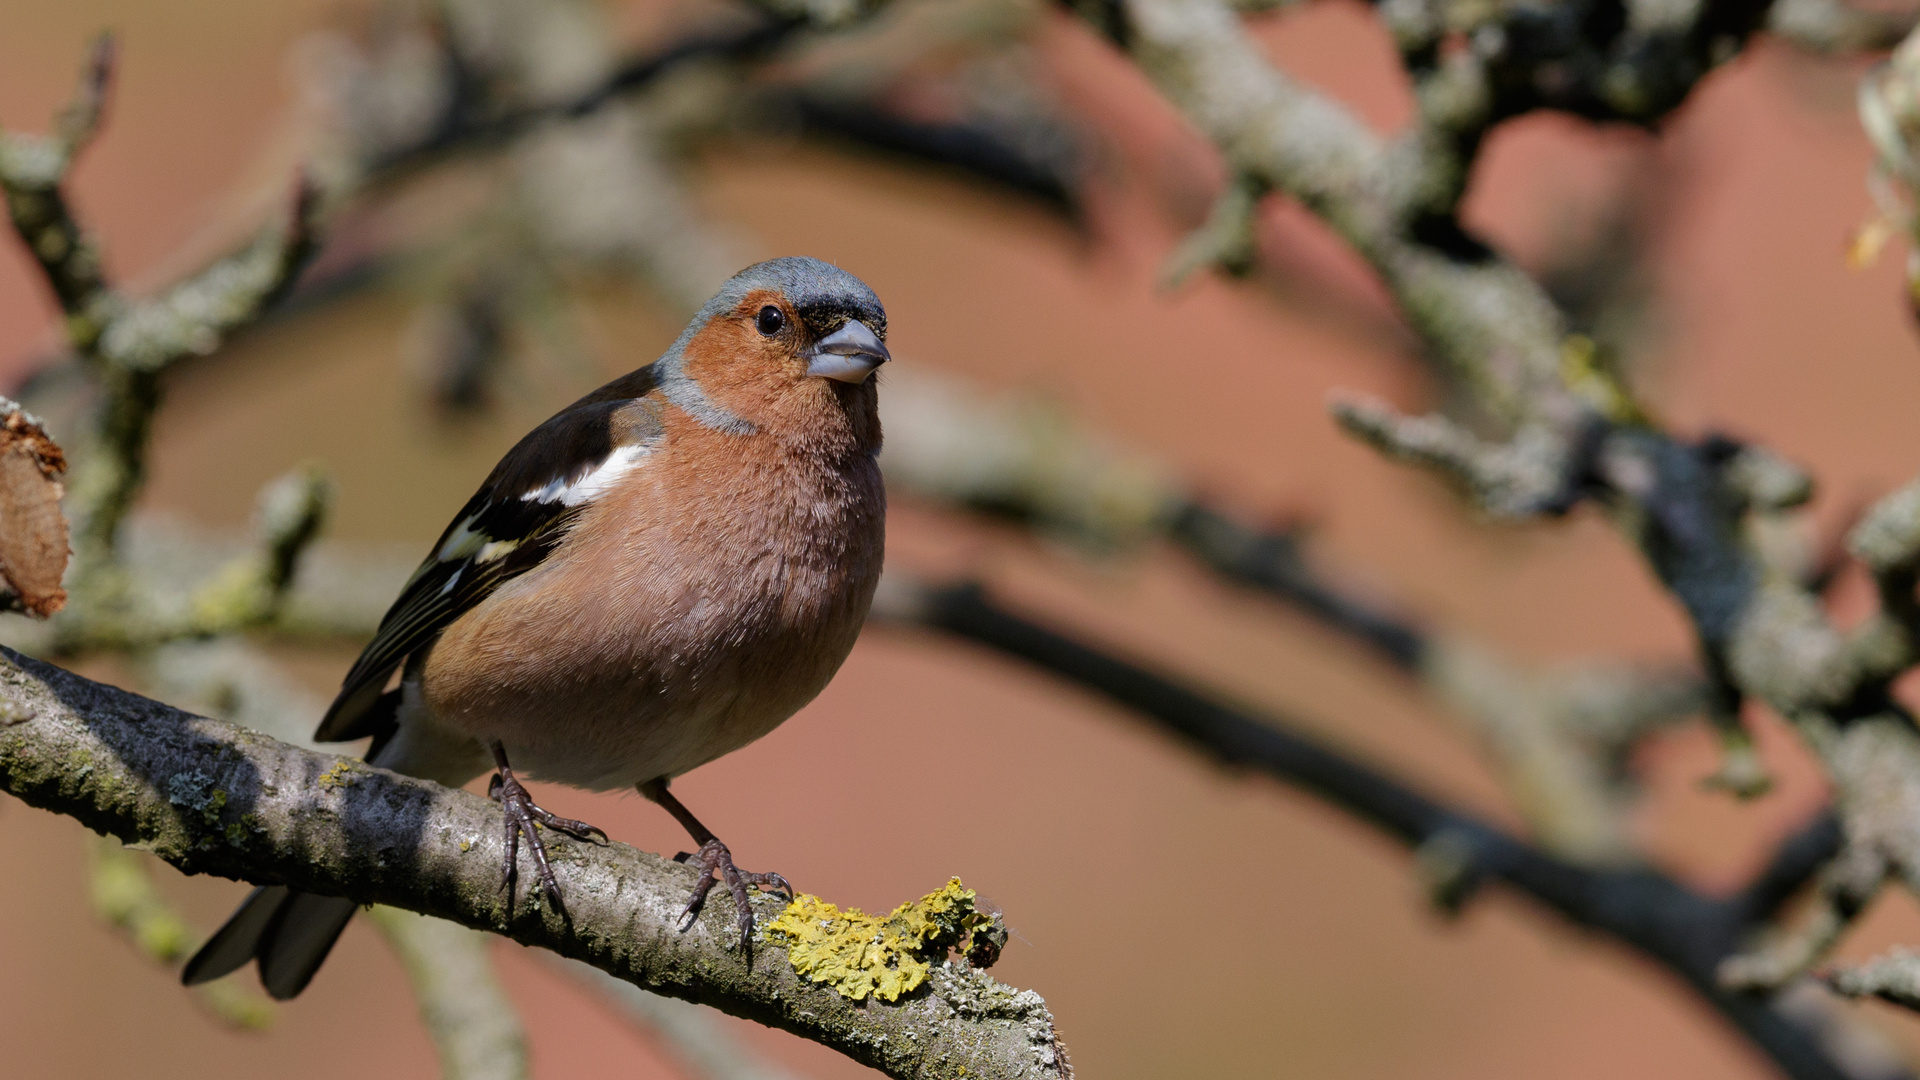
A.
pixel 209 797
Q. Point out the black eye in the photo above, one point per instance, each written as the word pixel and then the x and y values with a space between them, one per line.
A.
pixel 770 320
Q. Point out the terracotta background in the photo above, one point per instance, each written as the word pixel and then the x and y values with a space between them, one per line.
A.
pixel 1179 920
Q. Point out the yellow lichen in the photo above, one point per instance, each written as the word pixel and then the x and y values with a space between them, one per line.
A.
pixel 883 956
pixel 1587 370
pixel 338 775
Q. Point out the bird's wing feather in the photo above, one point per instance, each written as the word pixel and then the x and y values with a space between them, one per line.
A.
pixel 516 519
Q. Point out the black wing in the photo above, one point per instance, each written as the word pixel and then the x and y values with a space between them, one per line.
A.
pixel 516 519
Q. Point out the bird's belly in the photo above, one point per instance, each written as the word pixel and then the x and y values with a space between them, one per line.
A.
pixel 609 737
pixel 680 674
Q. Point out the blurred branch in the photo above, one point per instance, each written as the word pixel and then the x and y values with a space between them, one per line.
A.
pixel 964 147
pixel 476 122
pixel 1560 738
pixel 1894 977
pixel 464 1008
pixel 251 592
pixel 124 896
pixel 1535 472
pixel 148 601
pixel 459 131
pixel 1489 326
pixel 1273 563
pixel 127 343
pixel 209 797
pixel 1688 935
pixel 31 171
pixel 1635 62
pixel 1225 240
pixel 688 1033
pixel 1027 460
pixel 1835 26
pixel 1692 507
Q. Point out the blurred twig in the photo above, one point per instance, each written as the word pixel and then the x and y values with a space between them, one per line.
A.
pixel 124 896
pixel 1835 26
pixel 460 132
pixel 688 1034
pixel 465 1010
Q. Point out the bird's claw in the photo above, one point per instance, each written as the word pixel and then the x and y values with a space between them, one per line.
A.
pixel 714 856
pixel 524 816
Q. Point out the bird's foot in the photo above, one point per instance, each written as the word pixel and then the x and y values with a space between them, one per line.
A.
pixel 715 864
pixel 523 816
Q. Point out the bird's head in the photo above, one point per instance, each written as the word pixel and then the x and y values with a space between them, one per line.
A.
pixel 786 346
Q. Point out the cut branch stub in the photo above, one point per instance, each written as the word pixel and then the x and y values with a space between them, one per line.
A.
pixel 33 531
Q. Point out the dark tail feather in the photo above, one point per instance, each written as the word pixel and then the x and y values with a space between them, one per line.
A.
pixel 236 943
pixel 289 932
pixel 299 941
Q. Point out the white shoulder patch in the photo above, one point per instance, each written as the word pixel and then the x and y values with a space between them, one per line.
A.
pixel 594 484
pixel 464 540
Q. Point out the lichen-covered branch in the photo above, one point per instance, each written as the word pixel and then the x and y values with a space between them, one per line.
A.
pixel 1894 977
pixel 209 797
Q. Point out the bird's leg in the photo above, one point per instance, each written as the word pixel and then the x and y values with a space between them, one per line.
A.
pixel 713 856
pixel 522 816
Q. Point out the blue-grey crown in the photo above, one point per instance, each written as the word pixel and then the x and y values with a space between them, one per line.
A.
pixel 824 295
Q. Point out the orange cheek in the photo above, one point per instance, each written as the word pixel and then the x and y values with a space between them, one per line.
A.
pixel 740 370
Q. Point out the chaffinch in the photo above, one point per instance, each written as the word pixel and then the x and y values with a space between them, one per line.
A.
pixel 659 574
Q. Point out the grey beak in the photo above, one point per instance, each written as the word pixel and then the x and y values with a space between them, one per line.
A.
pixel 848 355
